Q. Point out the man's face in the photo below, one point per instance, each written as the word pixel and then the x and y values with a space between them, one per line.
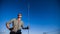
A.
pixel 19 16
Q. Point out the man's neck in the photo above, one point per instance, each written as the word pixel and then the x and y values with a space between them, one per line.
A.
pixel 19 19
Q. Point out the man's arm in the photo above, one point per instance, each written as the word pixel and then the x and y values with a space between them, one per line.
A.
pixel 24 27
pixel 8 24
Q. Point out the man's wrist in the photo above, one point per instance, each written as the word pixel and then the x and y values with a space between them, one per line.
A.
pixel 27 27
pixel 8 27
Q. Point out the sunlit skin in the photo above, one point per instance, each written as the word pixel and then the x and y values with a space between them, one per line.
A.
pixel 19 16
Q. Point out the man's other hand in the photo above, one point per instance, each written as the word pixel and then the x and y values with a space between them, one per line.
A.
pixel 10 29
pixel 27 27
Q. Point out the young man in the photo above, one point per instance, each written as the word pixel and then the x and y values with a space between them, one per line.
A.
pixel 17 24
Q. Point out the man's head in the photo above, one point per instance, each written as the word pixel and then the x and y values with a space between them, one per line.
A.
pixel 19 16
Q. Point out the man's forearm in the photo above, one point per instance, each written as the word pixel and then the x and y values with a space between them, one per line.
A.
pixel 7 25
pixel 25 27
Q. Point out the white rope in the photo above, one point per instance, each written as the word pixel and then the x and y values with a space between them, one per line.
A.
pixel 28 18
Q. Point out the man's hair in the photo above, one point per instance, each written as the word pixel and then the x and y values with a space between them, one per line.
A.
pixel 19 14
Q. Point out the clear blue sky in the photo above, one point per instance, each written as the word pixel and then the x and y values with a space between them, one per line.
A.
pixel 44 14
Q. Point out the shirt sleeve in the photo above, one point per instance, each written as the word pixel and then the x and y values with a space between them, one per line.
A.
pixel 10 21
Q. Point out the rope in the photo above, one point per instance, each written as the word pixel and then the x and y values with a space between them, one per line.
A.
pixel 28 18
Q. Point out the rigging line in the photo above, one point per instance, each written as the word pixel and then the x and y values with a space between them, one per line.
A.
pixel 28 18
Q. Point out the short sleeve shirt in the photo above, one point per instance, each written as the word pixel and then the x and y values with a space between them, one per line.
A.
pixel 16 26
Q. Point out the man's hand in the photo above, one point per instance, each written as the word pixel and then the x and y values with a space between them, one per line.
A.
pixel 10 29
pixel 27 27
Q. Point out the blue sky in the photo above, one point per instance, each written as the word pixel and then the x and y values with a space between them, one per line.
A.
pixel 43 14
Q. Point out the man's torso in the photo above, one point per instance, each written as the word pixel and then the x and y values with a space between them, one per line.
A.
pixel 16 25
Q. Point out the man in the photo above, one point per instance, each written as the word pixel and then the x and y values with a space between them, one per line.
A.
pixel 17 24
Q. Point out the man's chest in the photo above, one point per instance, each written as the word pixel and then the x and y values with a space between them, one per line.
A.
pixel 16 23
